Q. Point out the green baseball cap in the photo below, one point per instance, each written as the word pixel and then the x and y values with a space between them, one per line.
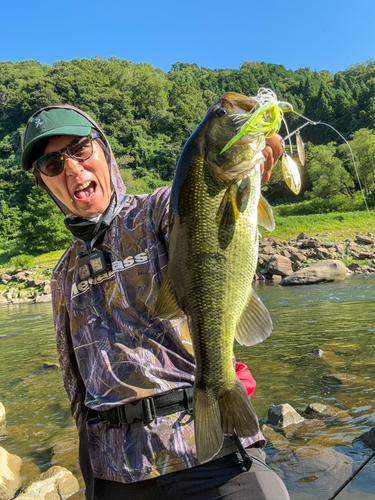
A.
pixel 49 122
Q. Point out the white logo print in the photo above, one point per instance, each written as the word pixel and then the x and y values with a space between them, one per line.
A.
pixel 117 266
pixel 38 122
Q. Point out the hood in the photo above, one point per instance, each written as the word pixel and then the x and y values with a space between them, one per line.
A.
pixel 118 187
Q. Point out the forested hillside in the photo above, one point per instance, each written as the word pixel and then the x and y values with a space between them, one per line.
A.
pixel 148 115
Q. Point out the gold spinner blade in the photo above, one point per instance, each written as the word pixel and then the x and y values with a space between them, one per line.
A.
pixel 291 174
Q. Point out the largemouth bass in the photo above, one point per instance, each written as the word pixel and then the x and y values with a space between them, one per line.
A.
pixel 215 209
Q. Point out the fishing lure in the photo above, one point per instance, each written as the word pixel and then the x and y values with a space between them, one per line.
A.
pixel 266 118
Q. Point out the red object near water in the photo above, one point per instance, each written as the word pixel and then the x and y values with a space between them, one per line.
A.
pixel 245 377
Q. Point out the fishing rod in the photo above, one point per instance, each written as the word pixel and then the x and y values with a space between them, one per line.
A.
pixel 352 476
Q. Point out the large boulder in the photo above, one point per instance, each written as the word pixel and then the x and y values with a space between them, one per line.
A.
pixel 56 484
pixel 279 266
pixel 10 477
pixel 328 270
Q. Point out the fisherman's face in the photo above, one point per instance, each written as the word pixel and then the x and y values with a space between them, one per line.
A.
pixel 84 187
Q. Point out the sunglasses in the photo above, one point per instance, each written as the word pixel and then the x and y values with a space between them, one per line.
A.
pixel 80 149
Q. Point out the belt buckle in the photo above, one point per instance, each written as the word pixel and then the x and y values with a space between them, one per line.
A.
pixel 148 410
pixel 142 410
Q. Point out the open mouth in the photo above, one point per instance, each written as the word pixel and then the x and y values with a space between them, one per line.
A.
pixel 85 190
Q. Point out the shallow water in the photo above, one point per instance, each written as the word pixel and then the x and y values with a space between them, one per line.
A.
pixel 338 318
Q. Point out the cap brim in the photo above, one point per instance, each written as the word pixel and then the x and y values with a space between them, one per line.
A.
pixel 79 130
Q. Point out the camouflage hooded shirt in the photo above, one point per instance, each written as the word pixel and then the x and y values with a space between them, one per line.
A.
pixel 113 351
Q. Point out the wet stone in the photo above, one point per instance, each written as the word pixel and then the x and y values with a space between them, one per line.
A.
pixel 56 484
pixel 317 353
pixel 10 477
pixel 324 411
pixel 283 415
pixel 368 438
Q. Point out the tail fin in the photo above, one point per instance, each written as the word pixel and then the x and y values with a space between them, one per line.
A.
pixel 237 412
pixel 213 418
pixel 207 423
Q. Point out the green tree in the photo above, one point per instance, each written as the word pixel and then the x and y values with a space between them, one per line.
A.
pixel 327 174
pixel 42 227
pixel 10 221
pixel 363 145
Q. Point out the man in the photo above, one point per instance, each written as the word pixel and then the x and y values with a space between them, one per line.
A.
pixel 127 373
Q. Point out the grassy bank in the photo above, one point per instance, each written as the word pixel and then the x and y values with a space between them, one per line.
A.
pixel 336 226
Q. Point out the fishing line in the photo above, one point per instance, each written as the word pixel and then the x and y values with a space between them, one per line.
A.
pixel 352 476
pixel 310 122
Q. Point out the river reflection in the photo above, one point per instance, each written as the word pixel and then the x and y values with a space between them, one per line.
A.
pixel 313 459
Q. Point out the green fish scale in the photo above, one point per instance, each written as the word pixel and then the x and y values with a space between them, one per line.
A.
pixel 212 284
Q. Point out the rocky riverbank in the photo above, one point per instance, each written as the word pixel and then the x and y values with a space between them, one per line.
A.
pixel 283 261
pixel 29 286
pixel 279 260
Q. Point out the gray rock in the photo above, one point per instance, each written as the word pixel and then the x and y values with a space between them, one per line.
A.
pixel 56 484
pixel 310 243
pixel 285 253
pixel 277 439
pixel 283 415
pixel 324 411
pixel 317 353
pixel 46 289
pixel 322 253
pixel 302 236
pixel 298 257
pixel 10 477
pixel 263 259
pixel 328 270
pixel 314 469
pixel 354 266
pixel 279 265
pixel 269 250
pixel 4 278
pixel 50 366
pixel 365 255
pixel 368 438
pixel 364 240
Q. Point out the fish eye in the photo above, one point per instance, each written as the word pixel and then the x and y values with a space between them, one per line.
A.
pixel 220 112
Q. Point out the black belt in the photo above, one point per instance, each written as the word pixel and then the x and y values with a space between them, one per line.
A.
pixel 147 409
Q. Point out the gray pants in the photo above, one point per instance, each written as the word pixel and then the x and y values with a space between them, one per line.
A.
pixel 224 478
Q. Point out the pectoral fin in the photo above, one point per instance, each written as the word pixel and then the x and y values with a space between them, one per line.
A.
pixel 167 306
pixel 255 323
pixel 242 195
pixel 265 214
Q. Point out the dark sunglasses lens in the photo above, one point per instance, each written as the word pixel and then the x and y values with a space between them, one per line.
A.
pixel 81 150
pixel 51 166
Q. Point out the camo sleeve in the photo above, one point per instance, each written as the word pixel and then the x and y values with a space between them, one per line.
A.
pixel 159 204
pixel 69 370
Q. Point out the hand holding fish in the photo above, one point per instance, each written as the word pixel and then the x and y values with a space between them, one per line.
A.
pixel 272 153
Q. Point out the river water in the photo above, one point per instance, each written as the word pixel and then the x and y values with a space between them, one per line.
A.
pixel 313 458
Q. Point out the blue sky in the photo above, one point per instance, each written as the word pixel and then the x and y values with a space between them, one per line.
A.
pixel 328 34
